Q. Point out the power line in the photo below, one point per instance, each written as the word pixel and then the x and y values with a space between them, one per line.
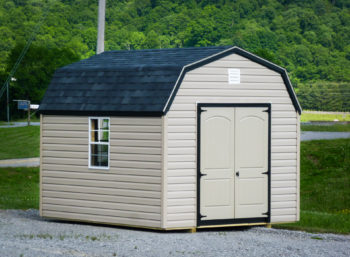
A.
pixel 21 56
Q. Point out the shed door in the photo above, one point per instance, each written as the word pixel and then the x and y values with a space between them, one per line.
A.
pixel 233 162
pixel 217 163
pixel 251 162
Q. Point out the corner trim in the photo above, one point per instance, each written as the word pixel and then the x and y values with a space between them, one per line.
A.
pixel 41 167
pixel 164 180
pixel 298 167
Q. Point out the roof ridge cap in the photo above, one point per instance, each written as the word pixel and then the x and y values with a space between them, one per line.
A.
pixel 163 49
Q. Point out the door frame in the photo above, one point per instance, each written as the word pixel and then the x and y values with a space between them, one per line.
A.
pixel 240 220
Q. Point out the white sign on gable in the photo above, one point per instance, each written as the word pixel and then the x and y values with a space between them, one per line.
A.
pixel 234 76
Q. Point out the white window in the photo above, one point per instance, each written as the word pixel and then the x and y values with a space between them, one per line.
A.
pixel 99 142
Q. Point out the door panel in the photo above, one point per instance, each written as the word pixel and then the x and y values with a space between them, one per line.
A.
pixel 217 164
pixel 216 146
pixel 251 145
pixel 251 185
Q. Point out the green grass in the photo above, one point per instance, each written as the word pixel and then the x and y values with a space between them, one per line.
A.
pixel 325 175
pixel 32 119
pixel 332 128
pixel 324 187
pixel 6 123
pixel 323 117
pixel 21 142
pixel 320 222
pixel 19 188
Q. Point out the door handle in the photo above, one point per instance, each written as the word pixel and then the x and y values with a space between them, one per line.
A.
pixel 237 173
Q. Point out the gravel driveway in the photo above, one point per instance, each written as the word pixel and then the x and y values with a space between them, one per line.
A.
pixel 24 233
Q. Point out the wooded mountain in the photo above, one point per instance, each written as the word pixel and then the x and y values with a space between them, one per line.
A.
pixel 311 39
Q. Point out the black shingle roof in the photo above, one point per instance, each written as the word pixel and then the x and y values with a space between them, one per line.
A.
pixel 127 82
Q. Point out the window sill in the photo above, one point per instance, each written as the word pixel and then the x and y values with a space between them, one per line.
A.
pixel 98 168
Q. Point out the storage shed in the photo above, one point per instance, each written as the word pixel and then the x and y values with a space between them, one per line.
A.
pixel 171 139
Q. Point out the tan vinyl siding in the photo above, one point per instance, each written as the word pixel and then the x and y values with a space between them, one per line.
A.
pixel 208 84
pixel 128 193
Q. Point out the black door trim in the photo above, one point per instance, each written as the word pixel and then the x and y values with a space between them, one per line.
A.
pixel 242 220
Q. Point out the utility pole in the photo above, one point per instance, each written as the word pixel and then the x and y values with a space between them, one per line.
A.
pixel 28 113
pixel 101 26
pixel 8 104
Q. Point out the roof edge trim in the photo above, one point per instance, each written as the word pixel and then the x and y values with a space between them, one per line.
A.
pixel 244 53
pixel 102 113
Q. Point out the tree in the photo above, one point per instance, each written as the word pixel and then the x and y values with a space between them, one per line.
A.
pixel 310 39
pixel 36 70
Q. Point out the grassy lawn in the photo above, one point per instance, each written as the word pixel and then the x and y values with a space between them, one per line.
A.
pixel 323 117
pixel 19 188
pixel 325 187
pixel 21 142
pixel 332 128
pixel 6 123
pixel 32 119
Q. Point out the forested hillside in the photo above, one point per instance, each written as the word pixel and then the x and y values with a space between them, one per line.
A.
pixel 311 39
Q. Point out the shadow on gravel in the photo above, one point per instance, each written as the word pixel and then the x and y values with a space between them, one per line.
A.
pixel 101 225
pixel 34 215
pixel 30 214
pixel 149 230
pixel 226 229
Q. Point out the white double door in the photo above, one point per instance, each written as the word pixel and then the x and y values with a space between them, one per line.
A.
pixel 233 162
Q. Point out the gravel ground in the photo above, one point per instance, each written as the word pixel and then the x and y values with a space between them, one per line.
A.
pixel 24 233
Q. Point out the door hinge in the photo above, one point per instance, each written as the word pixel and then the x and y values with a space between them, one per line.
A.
pixel 202 110
pixel 268 110
pixel 202 174
pixel 202 216
pixel 265 172
pixel 265 213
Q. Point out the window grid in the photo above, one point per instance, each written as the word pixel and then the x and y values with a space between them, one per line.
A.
pixel 96 139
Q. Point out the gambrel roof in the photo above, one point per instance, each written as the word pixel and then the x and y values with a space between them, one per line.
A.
pixel 137 82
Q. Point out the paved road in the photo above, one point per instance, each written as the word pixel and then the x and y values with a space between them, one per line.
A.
pixel 19 124
pixel 26 162
pixel 315 135
pixel 24 233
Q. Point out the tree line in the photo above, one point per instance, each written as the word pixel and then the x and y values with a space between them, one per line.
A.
pixel 311 39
